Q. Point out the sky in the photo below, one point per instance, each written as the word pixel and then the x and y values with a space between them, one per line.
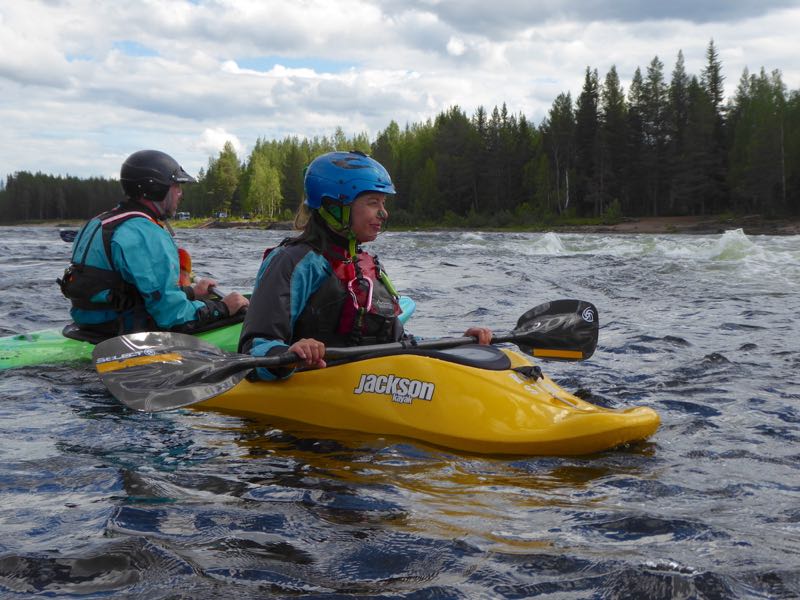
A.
pixel 84 83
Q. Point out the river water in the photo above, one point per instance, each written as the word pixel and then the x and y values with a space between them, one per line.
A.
pixel 97 501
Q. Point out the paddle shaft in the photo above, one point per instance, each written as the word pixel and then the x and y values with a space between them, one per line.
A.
pixel 217 292
pixel 242 362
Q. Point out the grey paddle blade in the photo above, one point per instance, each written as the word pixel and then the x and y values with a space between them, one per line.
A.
pixel 154 371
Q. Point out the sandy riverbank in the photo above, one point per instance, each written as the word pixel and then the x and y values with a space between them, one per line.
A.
pixel 751 225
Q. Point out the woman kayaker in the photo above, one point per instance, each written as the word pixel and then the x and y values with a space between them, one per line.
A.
pixel 125 270
pixel 321 288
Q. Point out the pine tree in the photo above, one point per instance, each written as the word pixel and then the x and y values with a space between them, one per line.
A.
pixel 295 160
pixel 712 81
pixel 656 134
pixel 613 139
pixel 558 132
pixel 758 153
pixel 633 202
pixel 457 148
pixel 695 182
pixel 792 152
pixel 587 145
pixel 677 123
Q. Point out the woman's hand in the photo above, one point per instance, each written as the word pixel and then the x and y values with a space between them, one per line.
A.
pixel 484 334
pixel 311 351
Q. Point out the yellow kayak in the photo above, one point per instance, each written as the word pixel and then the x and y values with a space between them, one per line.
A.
pixel 448 391
pixel 446 398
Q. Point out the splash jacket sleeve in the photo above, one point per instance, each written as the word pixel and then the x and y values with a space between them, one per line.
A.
pixel 286 280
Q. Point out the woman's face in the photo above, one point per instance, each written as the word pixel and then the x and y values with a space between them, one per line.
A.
pixel 368 215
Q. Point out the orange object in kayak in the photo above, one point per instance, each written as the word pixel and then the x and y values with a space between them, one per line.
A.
pixel 186 277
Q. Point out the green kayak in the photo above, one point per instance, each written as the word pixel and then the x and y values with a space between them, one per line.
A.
pixel 51 346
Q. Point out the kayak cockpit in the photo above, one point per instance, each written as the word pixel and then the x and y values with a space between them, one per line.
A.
pixel 490 358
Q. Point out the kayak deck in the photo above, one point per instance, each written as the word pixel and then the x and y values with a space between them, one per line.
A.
pixel 49 347
pixel 444 403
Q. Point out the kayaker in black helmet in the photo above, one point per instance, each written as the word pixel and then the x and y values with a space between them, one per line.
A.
pixel 320 288
pixel 125 270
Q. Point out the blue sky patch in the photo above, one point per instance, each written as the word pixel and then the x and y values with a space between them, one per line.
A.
pixel 320 65
pixel 132 48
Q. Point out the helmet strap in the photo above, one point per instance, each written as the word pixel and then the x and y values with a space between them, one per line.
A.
pixel 337 217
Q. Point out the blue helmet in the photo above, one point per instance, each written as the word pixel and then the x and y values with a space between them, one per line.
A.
pixel 342 176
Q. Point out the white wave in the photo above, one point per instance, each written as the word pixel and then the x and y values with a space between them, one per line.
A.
pixel 735 254
pixel 473 235
pixel 537 244
pixel 549 243
pixel 724 256
pixel 733 245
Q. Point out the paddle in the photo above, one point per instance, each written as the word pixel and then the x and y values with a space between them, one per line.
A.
pixel 215 291
pixel 68 235
pixel 154 371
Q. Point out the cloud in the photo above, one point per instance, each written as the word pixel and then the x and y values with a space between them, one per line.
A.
pixel 83 83
pixel 505 17
pixel 456 46
pixel 212 141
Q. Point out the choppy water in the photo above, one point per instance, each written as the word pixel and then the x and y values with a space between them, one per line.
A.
pixel 96 501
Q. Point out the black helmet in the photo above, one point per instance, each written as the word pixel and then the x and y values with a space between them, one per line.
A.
pixel 150 173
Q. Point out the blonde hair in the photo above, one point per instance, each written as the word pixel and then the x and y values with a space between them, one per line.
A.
pixel 302 217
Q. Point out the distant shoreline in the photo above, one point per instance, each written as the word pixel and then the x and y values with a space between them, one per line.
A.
pixel 701 225
pixel 751 225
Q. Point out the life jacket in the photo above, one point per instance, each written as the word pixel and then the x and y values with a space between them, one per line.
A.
pixel 365 282
pixel 82 282
pixel 356 305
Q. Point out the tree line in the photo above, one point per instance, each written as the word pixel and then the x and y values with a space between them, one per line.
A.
pixel 665 147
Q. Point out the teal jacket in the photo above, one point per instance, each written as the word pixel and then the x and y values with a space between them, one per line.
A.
pixel 146 256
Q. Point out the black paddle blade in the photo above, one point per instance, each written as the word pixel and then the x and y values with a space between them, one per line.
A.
pixel 154 371
pixel 559 330
pixel 67 235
